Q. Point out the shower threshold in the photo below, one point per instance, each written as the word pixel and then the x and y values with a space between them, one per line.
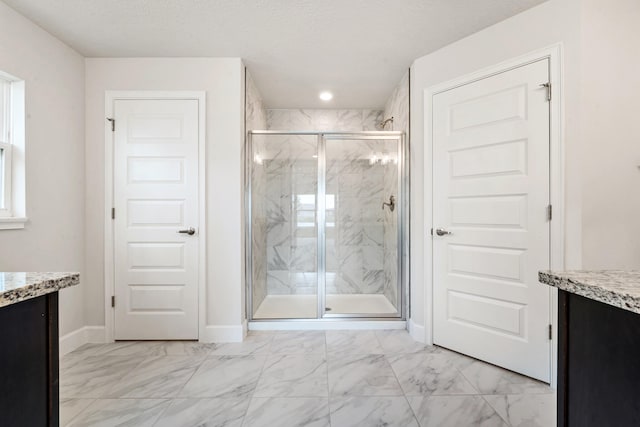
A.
pixel 306 306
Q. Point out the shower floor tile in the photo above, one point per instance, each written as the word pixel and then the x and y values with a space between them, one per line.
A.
pixel 306 306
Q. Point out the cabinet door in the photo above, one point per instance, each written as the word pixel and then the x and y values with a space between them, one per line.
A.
pixel 24 363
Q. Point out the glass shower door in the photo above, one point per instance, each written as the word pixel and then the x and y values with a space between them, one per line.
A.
pixel 283 226
pixel 362 206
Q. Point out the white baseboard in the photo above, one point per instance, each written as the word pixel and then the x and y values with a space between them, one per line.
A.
pixel 321 325
pixel 80 337
pixel 72 341
pixel 417 332
pixel 220 334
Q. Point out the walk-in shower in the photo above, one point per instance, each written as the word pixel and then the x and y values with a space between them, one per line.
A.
pixel 325 225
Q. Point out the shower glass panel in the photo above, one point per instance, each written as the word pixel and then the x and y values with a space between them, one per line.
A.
pixel 283 187
pixel 325 215
pixel 361 226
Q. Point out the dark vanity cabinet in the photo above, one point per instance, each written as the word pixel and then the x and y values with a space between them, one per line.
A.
pixel 29 362
pixel 598 364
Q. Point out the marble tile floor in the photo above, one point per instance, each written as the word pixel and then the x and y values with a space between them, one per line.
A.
pixel 287 379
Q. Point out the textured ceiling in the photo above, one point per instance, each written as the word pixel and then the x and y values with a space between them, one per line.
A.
pixel 359 49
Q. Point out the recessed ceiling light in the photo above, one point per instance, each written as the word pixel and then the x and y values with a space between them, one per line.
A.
pixel 326 96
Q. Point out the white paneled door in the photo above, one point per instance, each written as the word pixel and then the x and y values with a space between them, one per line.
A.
pixel 491 193
pixel 156 219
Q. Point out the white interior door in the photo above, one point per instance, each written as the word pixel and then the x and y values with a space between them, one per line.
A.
pixel 156 200
pixel 491 191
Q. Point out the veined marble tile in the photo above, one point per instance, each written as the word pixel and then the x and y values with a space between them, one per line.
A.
pixel 72 359
pixel 350 185
pixel 225 376
pixel 204 413
pixel 69 408
pixel 360 411
pixel 489 379
pixel 184 348
pixel 350 233
pixel 121 412
pixel 256 113
pixel 525 410
pixel 84 351
pixel 371 119
pixel 296 342
pixel 325 119
pixel 293 376
pixel 351 266
pixel 398 342
pixel 353 342
pixel 361 375
pixel 461 361
pixel 347 283
pixel 373 234
pixel 278 233
pixel 152 348
pixel 348 208
pixel 372 188
pixel 303 257
pixel 131 348
pixel 373 282
pixel 278 257
pixel 278 282
pixel 348 120
pixel 429 373
pixel 254 343
pixel 96 375
pixel 373 257
pixel 287 411
pixel 454 411
pixel 157 377
pixel 349 257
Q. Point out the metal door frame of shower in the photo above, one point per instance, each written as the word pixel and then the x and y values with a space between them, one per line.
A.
pixel 403 204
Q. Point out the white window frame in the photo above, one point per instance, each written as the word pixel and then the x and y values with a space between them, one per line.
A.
pixel 13 207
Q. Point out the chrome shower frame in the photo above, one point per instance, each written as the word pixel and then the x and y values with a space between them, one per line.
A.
pixel 402 226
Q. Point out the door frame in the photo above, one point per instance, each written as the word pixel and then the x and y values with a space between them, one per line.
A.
pixel 556 176
pixel 109 147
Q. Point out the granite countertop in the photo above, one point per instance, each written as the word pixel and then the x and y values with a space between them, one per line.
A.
pixel 614 287
pixel 16 287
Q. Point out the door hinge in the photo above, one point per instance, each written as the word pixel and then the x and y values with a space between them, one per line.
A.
pixel 113 124
pixel 550 332
pixel 549 212
pixel 113 213
pixel 548 87
pixel 113 301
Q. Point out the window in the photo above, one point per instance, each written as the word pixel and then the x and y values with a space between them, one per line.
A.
pixel 12 183
pixel 5 148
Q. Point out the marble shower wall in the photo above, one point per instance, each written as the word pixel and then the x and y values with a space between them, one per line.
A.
pixel 324 120
pixel 354 229
pixel 360 235
pixel 355 225
pixel 397 106
pixel 256 118
pixel 292 185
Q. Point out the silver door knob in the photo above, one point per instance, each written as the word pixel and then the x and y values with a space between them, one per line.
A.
pixel 442 232
pixel 190 231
